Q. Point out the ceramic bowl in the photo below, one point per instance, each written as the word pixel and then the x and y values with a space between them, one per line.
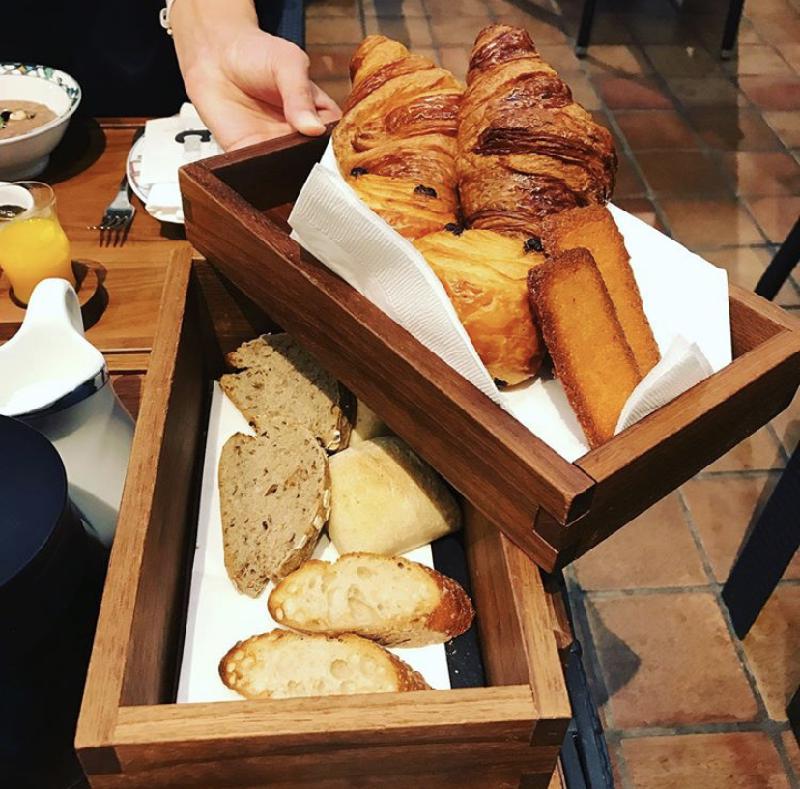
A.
pixel 27 155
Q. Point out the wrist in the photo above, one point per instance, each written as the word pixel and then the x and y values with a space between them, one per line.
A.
pixel 204 28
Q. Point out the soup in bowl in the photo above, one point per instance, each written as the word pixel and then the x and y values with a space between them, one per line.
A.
pixel 36 103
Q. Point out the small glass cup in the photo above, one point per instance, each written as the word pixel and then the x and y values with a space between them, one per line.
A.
pixel 33 245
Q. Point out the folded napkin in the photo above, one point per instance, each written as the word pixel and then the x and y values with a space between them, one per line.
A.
pixel 685 299
pixel 162 156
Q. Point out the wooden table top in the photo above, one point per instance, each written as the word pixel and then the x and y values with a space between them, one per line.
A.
pixel 85 171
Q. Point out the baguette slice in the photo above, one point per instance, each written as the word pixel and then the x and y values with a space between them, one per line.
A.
pixel 281 664
pixel 279 377
pixel 385 598
pixel 274 493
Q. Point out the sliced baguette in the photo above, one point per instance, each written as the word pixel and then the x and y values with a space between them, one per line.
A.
pixel 274 493
pixel 384 598
pixel 278 376
pixel 281 664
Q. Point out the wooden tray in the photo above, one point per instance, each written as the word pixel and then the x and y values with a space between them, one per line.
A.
pixel 131 733
pixel 236 207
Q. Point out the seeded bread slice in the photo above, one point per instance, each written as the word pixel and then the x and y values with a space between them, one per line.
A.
pixel 282 664
pixel 274 493
pixel 280 377
pixel 387 599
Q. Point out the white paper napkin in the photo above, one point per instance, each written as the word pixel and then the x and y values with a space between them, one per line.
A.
pixel 162 156
pixel 685 299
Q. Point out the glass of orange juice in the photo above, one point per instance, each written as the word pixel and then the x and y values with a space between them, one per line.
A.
pixel 33 245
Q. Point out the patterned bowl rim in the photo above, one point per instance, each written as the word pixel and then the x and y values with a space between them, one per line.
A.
pixel 65 81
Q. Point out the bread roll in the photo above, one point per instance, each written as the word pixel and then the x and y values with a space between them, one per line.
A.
pixel 384 499
pixel 387 599
pixel 367 425
pixel 281 664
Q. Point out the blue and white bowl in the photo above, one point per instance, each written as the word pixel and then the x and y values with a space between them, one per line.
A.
pixel 26 155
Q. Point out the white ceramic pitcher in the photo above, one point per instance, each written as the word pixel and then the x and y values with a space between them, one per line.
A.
pixel 53 379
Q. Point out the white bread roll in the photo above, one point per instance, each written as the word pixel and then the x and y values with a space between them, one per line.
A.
pixel 368 425
pixel 384 499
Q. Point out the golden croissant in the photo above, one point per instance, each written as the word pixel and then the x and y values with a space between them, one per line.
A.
pixel 396 142
pixel 525 148
pixel 485 275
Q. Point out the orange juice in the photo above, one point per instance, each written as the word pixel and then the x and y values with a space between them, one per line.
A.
pixel 32 250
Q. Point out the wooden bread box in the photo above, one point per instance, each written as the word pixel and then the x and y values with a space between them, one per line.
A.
pixel 131 733
pixel 236 207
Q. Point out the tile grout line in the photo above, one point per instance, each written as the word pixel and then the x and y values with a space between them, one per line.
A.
pixel 763 715
pixel 688 729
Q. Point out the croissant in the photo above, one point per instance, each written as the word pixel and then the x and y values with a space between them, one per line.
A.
pixel 525 148
pixel 485 276
pixel 396 141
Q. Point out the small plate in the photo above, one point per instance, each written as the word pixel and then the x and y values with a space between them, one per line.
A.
pixel 142 191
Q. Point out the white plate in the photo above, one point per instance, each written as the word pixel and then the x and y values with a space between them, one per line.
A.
pixel 142 191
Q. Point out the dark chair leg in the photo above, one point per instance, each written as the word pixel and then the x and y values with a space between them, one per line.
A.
pixel 731 27
pixel 769 549
pixel 585 30
pixel 786 258
pixel 793 714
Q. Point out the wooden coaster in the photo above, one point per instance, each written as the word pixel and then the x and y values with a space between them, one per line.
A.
pixel 92 296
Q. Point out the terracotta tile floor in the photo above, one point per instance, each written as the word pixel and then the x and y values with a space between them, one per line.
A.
pixel 709 153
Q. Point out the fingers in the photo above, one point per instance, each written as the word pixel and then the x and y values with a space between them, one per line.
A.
pixel 290 70
pixel 327 108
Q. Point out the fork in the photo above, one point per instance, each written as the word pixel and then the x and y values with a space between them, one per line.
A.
pixel 116 221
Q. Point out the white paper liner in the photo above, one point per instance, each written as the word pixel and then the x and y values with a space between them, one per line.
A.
pixel 218 616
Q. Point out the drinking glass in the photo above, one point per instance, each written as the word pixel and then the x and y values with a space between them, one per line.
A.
pixel 33 245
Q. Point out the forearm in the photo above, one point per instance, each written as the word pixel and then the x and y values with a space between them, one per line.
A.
pixel 201 27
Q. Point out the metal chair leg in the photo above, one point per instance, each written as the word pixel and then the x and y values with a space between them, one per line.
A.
pixel 585 30
pixel 731 28
pixel 768 550
pixel 778 271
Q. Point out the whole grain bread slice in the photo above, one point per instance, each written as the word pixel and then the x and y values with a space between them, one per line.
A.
pixel 387 599
pixel 283 664
pixel 278 376
pixel 274 492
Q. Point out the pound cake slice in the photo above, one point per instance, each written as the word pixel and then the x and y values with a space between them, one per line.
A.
pixel 274 493
pixel 280 377
pixel 594 229
pixel 387 599
pixel 281 664
pixel 591 356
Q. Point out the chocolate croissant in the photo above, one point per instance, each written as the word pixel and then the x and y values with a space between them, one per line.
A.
pixel 525 148
pixel 396 142
pixel 485 275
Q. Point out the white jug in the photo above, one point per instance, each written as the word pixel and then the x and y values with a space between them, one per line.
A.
pixel 53 379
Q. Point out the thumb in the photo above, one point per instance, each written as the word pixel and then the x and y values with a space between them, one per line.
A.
pixel 290 70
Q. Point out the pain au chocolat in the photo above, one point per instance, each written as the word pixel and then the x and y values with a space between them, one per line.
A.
pixel 526 149
pixel 396 142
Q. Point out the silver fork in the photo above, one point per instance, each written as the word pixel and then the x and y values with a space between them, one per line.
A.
pixel 116 221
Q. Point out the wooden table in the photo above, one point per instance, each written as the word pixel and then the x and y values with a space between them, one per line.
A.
pixel 85 172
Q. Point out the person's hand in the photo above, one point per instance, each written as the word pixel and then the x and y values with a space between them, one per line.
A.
pixel 247 85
